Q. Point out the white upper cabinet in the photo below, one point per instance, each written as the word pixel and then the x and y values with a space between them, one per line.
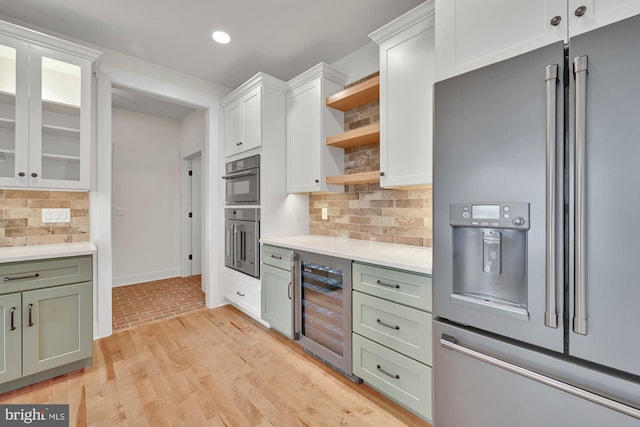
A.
pixel 585 15
pixel 245 110
pixel 406 92
pixel 45 111
pixel 471 34
pixel 309 122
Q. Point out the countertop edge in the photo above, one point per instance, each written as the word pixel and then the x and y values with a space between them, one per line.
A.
pixel 35 252
pixel 356 250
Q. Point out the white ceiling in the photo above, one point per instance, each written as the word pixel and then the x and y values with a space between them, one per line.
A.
pixel 279 37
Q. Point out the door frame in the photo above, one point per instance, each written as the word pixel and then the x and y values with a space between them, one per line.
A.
pixel 183 90
pixel 186 200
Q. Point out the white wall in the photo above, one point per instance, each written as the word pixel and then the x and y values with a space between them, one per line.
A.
pixel 146 197
pixel 359 63
pixel 193 133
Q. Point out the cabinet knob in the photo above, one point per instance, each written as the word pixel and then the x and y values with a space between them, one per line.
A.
pixel 317 181
pixel 555 21
pixel 580 11
pixel 381 173
pixel 21 174
pixel 34 175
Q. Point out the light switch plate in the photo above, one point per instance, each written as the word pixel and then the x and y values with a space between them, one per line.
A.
pixel 56 215
pixel 325 213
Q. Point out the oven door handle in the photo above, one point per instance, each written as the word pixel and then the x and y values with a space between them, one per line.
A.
pixel 450 343
pixel 241 174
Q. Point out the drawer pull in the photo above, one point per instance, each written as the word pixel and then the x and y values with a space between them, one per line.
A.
pixel 13 326
pixel 29 309
pixel 240 293
pixel 388 285
pixel 380 322
pixel 396 376
pixel 30 276
pixel 276 257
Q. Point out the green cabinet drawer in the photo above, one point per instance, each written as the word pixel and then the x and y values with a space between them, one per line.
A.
pixel 403 287
pixel 401 328
pixel 277 257
pixel 402 379
pixel 29 275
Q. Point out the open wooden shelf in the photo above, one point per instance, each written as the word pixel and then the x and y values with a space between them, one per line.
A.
pixel 356 137
pixel 371 177
pixel 355 96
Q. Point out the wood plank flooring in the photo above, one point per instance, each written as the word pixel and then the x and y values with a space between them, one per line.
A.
pixel 210 368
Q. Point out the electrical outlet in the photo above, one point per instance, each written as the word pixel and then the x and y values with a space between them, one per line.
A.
pixel 325 213
pixel 56 215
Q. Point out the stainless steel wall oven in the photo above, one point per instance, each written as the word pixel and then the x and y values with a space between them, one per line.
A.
pixel 242 181
pixel 242 234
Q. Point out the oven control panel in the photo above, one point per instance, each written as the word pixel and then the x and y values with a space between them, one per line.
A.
pixel 513 215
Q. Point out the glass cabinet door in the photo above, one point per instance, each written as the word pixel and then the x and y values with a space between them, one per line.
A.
pixel 60 114
pixel 13 112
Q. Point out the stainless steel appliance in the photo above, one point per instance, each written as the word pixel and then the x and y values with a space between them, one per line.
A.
pixel 242 181
pixel 242 234
pixel 322 309
pixel 535 278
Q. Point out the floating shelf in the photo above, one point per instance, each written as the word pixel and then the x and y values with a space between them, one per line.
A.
pixel 60 130
pixel 371 177
pixel 355 96
pixel 356 137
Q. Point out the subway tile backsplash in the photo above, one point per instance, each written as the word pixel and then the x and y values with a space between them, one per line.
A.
pixel 21 217
pixel 367 212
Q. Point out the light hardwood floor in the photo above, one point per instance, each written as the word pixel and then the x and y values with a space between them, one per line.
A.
pixel 210 368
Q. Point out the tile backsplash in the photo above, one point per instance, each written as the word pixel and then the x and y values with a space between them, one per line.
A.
pixel 367 212
pixel 21 217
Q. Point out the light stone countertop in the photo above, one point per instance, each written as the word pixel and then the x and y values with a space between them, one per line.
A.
pixel 34 252
pixel 411 258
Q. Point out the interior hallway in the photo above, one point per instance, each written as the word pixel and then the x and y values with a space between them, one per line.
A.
pixel 147 302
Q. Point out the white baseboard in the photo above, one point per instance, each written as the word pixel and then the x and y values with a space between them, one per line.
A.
pixel 144 277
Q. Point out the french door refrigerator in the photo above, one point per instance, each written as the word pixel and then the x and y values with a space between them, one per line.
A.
pixel 536 255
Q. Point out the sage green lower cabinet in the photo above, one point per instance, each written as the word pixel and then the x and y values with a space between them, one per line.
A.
pixel 392 334
pixel 11 338
pixel 57 326
pixel 47 319
pixel 401 378
pixel 277 289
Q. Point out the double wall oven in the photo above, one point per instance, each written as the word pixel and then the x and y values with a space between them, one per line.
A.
pixel 242 223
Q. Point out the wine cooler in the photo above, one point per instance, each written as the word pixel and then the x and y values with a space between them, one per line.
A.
pixel 323 309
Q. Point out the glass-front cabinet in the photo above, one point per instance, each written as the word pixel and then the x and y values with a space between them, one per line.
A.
pixel 45 116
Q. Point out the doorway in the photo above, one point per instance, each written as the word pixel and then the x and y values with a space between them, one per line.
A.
pixel 150 136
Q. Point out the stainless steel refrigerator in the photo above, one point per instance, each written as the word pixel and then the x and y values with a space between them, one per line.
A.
pixel 536 253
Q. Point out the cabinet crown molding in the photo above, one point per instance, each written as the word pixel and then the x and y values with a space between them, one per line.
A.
pixel 320 70
pixel 33 36
pixel 422 15
pixel 259 79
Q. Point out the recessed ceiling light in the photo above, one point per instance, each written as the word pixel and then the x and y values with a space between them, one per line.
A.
pixel 221 37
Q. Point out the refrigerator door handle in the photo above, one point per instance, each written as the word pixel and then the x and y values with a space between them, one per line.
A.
pixel 450 343
pixel 551 81
pixel 580 66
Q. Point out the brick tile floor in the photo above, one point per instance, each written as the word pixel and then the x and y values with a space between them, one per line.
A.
pixel 150 301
